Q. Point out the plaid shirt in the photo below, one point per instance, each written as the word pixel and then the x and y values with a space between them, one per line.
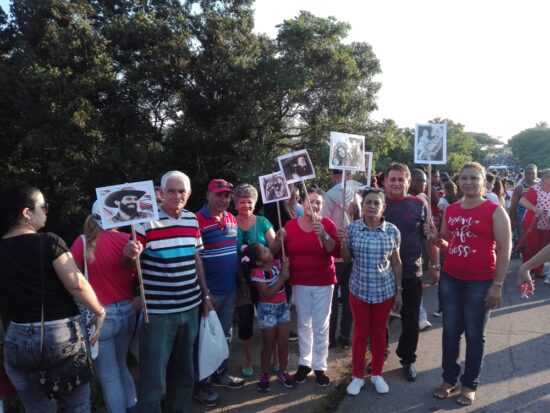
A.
pixel 372 279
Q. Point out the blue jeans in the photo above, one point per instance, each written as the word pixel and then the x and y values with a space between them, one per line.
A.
pixel 22 361
pixel 463 305
pixel 166 355
pixel 225 309
pixel 119 391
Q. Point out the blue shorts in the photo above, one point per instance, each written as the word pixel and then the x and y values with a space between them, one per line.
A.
pixel 271 314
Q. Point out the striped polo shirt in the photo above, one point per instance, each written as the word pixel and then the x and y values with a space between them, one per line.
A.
pixel 168 262
pixel 219 256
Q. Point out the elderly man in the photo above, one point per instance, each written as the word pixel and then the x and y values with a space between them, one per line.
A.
pixel 409 213
pixel 126 200
pixel 174 288
pixel 219 233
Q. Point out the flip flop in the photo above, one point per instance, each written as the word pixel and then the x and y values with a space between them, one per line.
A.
pixel 247 372
pixel 444 390
pixel 466 397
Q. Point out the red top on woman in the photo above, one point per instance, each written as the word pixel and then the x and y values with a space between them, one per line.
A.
pixel 471 255
pixel 309 263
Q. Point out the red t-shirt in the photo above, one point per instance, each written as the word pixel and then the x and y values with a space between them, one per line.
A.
pixel 110 278
pixel 309 263
pixel 471 255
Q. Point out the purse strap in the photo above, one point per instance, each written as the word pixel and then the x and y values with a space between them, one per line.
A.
pixel 84 256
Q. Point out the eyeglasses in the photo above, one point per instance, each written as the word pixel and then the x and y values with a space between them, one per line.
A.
pixel 44 208
pixel 245 237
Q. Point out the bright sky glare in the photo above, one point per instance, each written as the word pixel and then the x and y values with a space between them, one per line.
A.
pixel 482 63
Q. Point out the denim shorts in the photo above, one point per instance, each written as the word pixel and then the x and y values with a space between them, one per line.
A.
pixel 271 314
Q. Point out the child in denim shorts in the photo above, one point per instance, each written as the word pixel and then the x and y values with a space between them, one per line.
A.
pixel 266 274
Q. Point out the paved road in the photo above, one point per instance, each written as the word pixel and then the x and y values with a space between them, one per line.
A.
pixel 516 370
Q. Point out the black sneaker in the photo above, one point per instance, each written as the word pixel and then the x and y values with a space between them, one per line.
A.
pixel 206 396
pixel 263 383
pixel 301 374
pixel 321 378
pixel 228 381
pixel 292 336
pixel 284 378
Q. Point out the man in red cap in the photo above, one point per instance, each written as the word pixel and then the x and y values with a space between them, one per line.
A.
pixel 220 261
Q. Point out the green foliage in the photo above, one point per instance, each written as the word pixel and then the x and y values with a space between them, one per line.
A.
pixel 532 146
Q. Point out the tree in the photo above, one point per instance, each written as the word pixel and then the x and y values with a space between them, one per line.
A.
pixel 532 146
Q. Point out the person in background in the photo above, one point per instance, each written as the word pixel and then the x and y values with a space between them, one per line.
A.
pixel 536 222
pixel 471 284
pixel 311 242
pixel 336 210
pixel 38 284
pixel 517 211
pixel 251 229
pixel 418 188
pixel 375 286
pixel 111 275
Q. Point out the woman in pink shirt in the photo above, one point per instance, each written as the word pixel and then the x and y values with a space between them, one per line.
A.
pixel 111 274
pixel 311 243
pixel 476 235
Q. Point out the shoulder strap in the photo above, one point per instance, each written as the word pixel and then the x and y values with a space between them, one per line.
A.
pixel 84 256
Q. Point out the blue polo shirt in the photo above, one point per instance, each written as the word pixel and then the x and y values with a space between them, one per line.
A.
pixel 219 255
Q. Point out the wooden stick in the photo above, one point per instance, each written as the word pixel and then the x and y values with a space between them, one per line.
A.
pixel 344 215
pixel 280 227
pixel 140 279
pixel 311 210
pixel 429 192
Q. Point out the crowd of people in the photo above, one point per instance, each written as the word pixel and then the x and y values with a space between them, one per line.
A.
pixel 366 249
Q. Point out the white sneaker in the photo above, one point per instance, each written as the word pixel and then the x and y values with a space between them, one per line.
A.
pixel 380 384
pixel 355 386
pixel 547 280
pixel 423 323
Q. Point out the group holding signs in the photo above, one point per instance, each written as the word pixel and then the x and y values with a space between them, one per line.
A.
pixel 188 262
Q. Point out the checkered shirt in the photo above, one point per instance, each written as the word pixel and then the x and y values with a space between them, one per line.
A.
pixel 372 279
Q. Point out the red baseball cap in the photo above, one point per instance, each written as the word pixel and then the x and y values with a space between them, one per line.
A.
pixel 220 185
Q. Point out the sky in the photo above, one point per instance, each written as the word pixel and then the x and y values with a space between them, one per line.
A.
pixel 482 63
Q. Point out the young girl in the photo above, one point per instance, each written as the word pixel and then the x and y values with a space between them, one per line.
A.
pixel 266 274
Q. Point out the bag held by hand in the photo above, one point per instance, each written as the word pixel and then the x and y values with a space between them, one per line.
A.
pixel 213 347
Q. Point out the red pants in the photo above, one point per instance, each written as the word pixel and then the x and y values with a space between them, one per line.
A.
pixel 536 240
pixel 369 320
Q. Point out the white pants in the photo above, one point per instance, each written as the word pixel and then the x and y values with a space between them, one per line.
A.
pixel 313 313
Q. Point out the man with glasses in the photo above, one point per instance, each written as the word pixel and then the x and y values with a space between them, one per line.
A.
pixel 408 214
pixel 219 233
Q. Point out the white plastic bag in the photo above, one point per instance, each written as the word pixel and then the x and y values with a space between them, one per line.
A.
pixel 213 347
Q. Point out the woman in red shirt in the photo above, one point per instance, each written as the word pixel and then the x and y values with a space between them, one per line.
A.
pixel 311 242
pixel 476 235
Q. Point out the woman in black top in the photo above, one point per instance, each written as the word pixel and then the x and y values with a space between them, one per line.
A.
pixel 38 279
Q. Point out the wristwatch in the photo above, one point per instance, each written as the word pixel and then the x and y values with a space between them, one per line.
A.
pixel 435 266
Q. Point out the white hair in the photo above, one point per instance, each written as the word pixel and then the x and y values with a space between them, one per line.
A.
pixel 175 175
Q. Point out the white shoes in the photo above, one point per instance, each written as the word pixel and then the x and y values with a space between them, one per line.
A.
pixel 547 280
pixel 355 386
pixel 423 324
pixel 379 384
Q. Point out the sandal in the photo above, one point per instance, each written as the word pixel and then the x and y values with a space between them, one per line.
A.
pixel 444 390
pixel 466 396
pixel 247 372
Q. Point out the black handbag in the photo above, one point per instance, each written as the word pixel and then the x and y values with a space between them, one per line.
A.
pixel 76 367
